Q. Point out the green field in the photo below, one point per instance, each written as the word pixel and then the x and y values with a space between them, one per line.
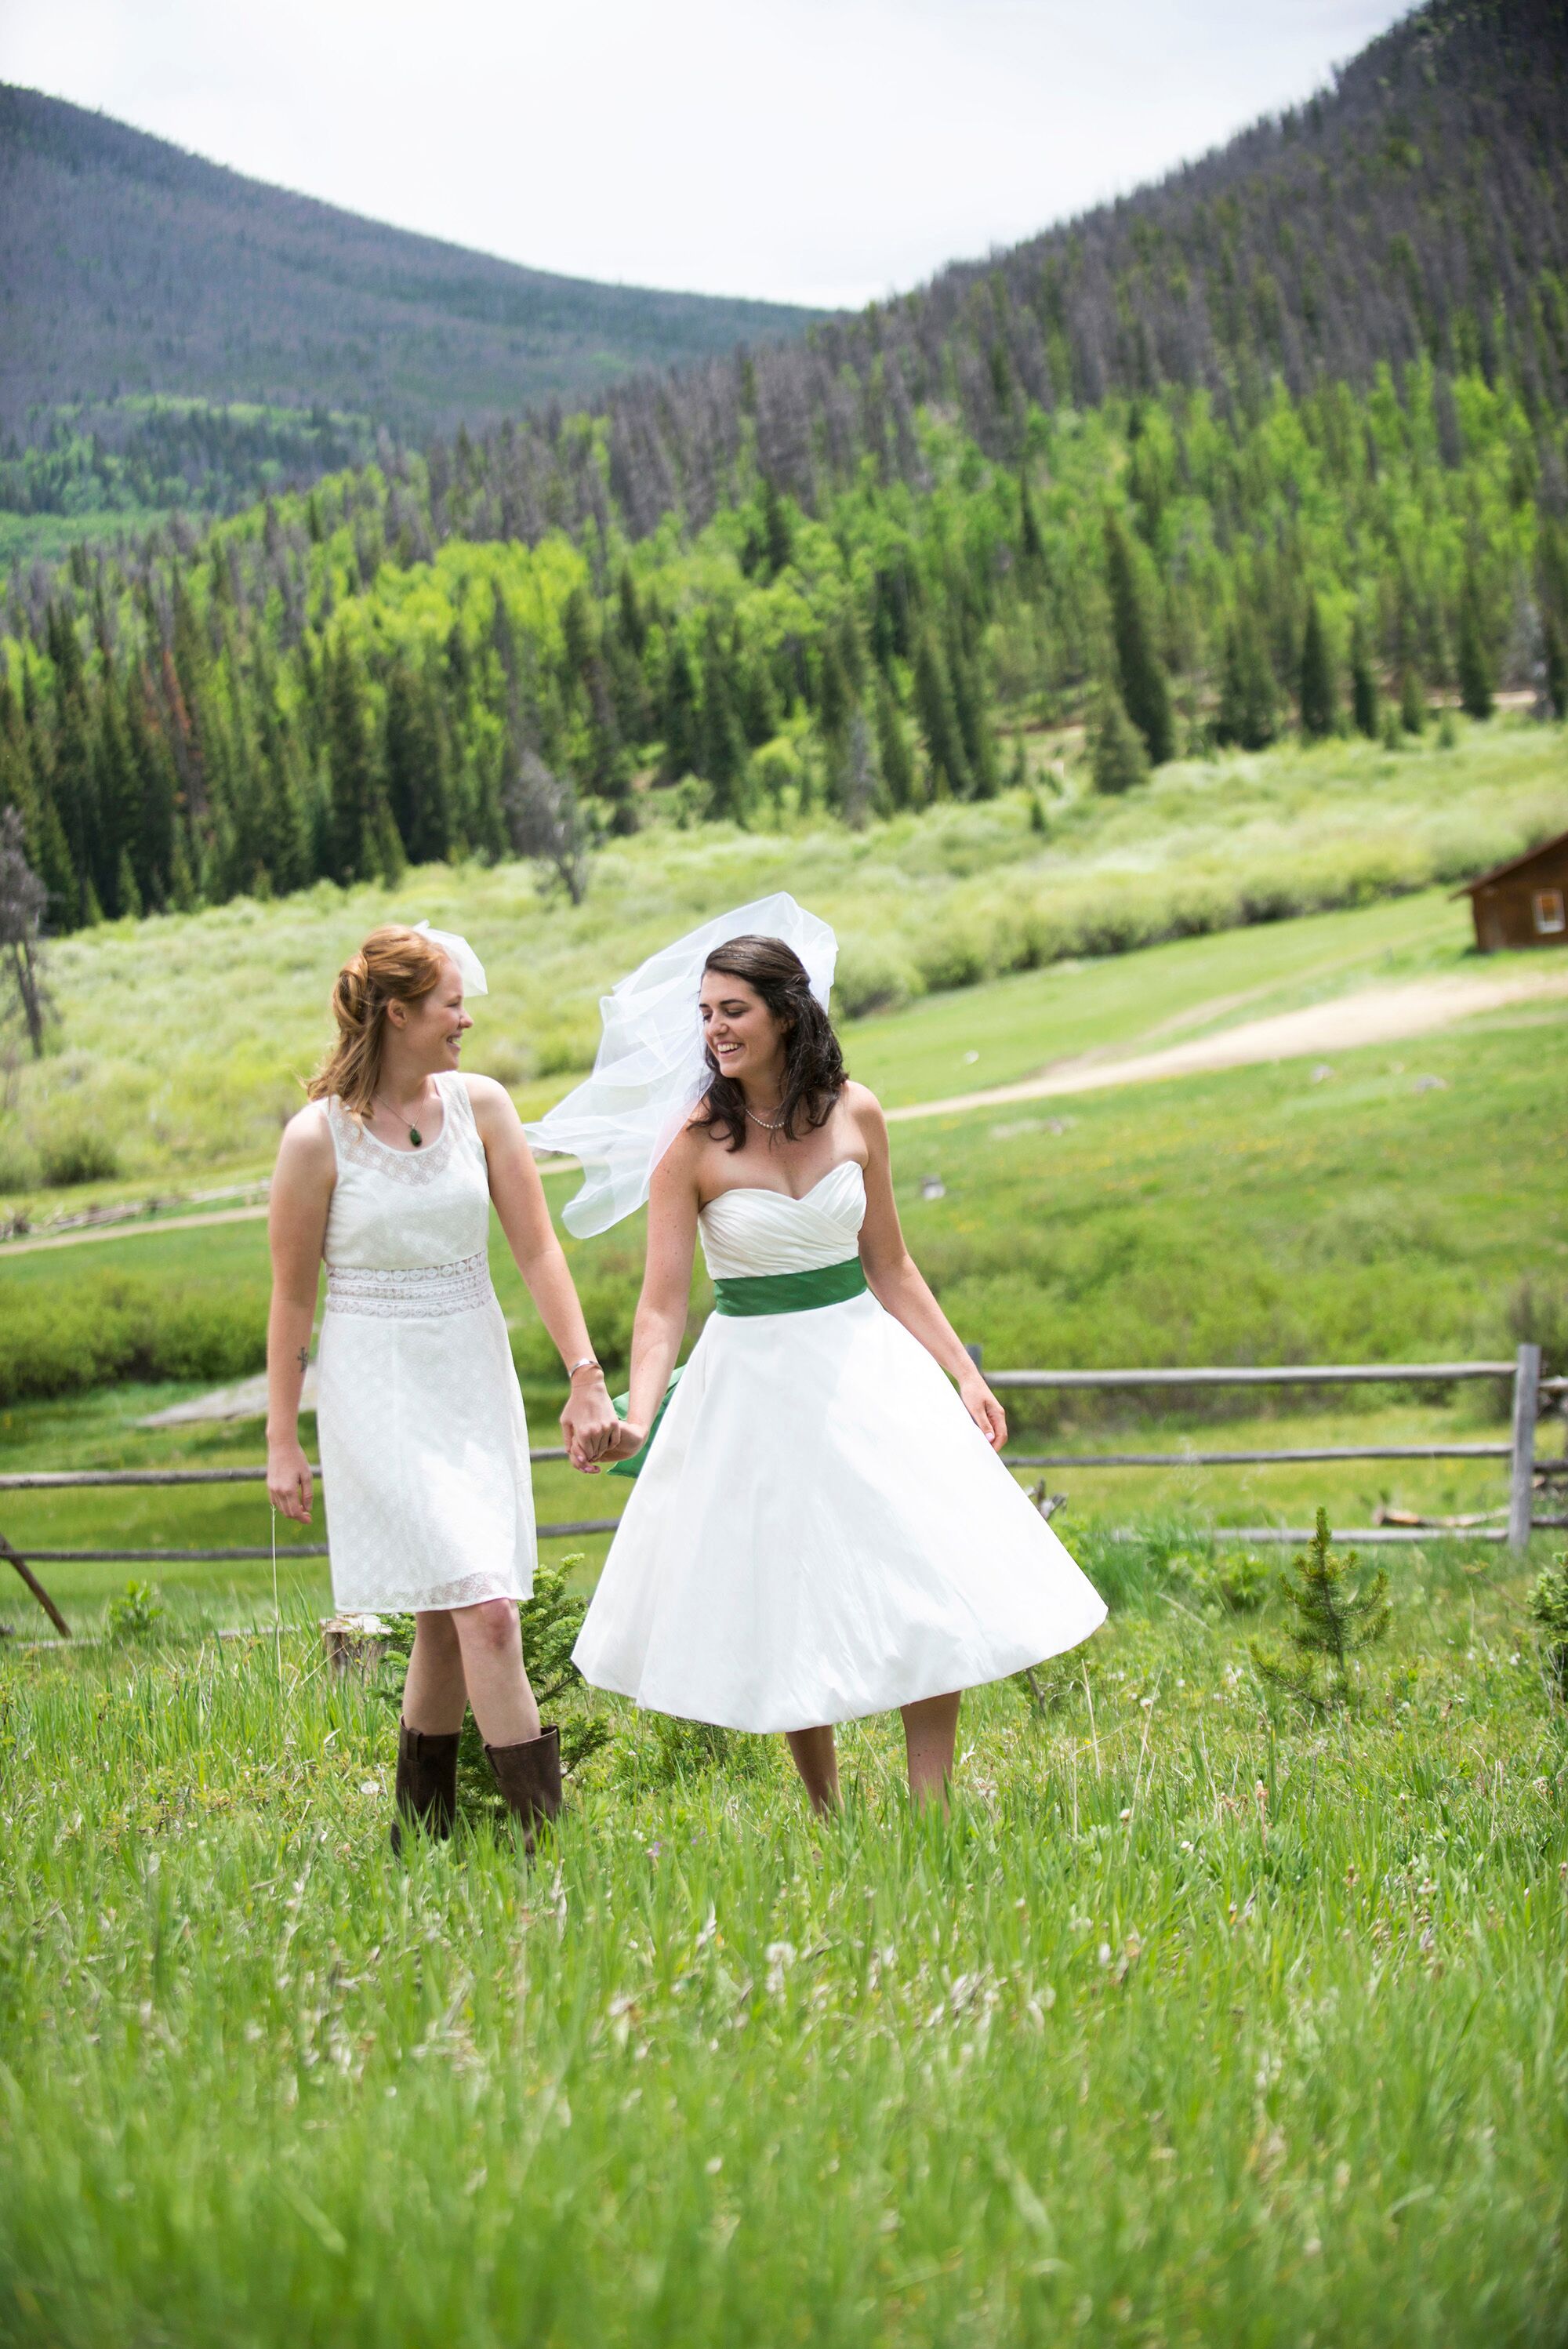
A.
pixel 183 1040
pixel 1200 2021
pixel 1193 2024
pixel 1254 1215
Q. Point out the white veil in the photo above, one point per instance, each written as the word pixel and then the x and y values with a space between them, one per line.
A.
pixel 651 1070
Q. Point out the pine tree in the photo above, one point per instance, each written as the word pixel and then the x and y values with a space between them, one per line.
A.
pixel 633 628
pixel 118 807
pixel 1412 702
pixel 1144 692
pixel 154 765
pixel 1246 717
pixel 893 749
pixel 939 722
pixel 1556 658
pixel 356 849
pixel 778 530
pixel 1334 1616
pixel 417 766
pixel 76 797
pixel 1363 685
pixel 721 751
pixel 1474 664
pixel 680 712
pixel 1031 544
pixel 974 723
pixel 1317 691
pixel 127 896
pixel 1119 759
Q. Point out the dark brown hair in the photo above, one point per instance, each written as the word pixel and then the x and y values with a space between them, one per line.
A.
pixel 814 1069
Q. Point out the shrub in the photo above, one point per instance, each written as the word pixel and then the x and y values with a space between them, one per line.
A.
pixel 136 1613
pixel 1549 1611
pixel 113 1326
pixel 19 1167
pixel 871 975
pixel 76 1155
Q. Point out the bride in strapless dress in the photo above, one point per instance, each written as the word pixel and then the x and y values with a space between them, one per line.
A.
pixel 820 1528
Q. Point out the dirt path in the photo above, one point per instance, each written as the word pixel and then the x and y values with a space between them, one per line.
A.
pixel 1378 1015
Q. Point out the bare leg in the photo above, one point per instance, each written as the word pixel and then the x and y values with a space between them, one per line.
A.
pixel 434 1693
pixel 490 1639
pixel 816 1757
pixel 930 1734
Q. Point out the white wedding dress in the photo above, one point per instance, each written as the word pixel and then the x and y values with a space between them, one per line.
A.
pixel 820 1531
pixel 424 1447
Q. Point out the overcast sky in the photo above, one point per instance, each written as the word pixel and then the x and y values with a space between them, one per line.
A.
pixel 812 151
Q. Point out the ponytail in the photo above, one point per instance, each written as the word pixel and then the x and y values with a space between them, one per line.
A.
pixel 394 965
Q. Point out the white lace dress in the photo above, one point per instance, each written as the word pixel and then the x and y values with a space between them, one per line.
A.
pixel 820 1531
pixel 424 1447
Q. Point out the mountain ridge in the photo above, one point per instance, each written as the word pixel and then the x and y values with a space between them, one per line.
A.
pixel 427 333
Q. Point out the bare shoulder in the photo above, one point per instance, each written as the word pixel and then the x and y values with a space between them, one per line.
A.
pixel 866 1109
pixel 305 1152
pixel 483 1089
pixel 683 1160
pixel 487 1098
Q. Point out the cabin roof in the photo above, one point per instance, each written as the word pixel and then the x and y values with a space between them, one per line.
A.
pixel 1513 864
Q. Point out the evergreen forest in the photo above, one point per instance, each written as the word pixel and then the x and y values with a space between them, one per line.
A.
pixel 1280 444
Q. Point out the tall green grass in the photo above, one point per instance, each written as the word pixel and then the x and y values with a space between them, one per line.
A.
pixel 1191 2026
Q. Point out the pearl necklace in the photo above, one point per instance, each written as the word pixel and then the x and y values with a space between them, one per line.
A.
pixel 774 1126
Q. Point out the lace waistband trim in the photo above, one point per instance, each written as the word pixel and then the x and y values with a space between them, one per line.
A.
pixel 410 1292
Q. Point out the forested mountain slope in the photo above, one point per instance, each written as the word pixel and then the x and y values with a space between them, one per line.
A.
pixel 818 576
pixel 1419 208
pixel 129 266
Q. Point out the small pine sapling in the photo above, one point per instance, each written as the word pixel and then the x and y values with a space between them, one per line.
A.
pixel 1334 1615
pixel 1549 1611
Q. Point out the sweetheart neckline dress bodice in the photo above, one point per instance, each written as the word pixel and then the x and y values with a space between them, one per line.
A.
pixel 820 1530
pixel 424 1444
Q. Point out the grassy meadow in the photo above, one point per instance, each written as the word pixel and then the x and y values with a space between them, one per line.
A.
pixel 183 1040
pixel 1201 2019
pixel 1198 2021
pixel 1398 1208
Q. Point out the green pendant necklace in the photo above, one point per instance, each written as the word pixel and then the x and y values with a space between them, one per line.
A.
pixel 415 1137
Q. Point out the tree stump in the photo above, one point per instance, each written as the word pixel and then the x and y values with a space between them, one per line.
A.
pixel 354 1643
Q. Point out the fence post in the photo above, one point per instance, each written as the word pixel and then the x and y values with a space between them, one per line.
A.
pixel 36 1587
pixel 975 1354
pixel 1521 1480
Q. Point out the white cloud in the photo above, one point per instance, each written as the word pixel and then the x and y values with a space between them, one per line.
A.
pixel 816 150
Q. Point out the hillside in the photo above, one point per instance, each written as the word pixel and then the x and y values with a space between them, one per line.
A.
pixel 778 587
pixel 1418 209
pixel 131 268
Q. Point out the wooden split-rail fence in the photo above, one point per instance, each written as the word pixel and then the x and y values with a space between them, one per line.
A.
pixel 1531 1475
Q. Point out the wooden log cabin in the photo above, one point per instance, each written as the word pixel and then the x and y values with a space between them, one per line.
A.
pixel 1522 903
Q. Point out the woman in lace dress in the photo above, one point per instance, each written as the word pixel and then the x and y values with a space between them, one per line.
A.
pixel 821 1528
pixel 389 1175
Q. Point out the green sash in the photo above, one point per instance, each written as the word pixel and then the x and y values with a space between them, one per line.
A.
pixel 767 1292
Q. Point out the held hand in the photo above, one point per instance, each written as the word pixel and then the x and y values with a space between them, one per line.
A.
pixel 588 1423
pixel 984 1409
pixel 289 1480
pixel 627 1439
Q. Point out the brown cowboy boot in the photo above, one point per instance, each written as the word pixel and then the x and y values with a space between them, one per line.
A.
pixel 427 1791
pixel 528 1776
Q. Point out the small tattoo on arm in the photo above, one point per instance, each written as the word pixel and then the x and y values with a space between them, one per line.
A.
pixel 304 1360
